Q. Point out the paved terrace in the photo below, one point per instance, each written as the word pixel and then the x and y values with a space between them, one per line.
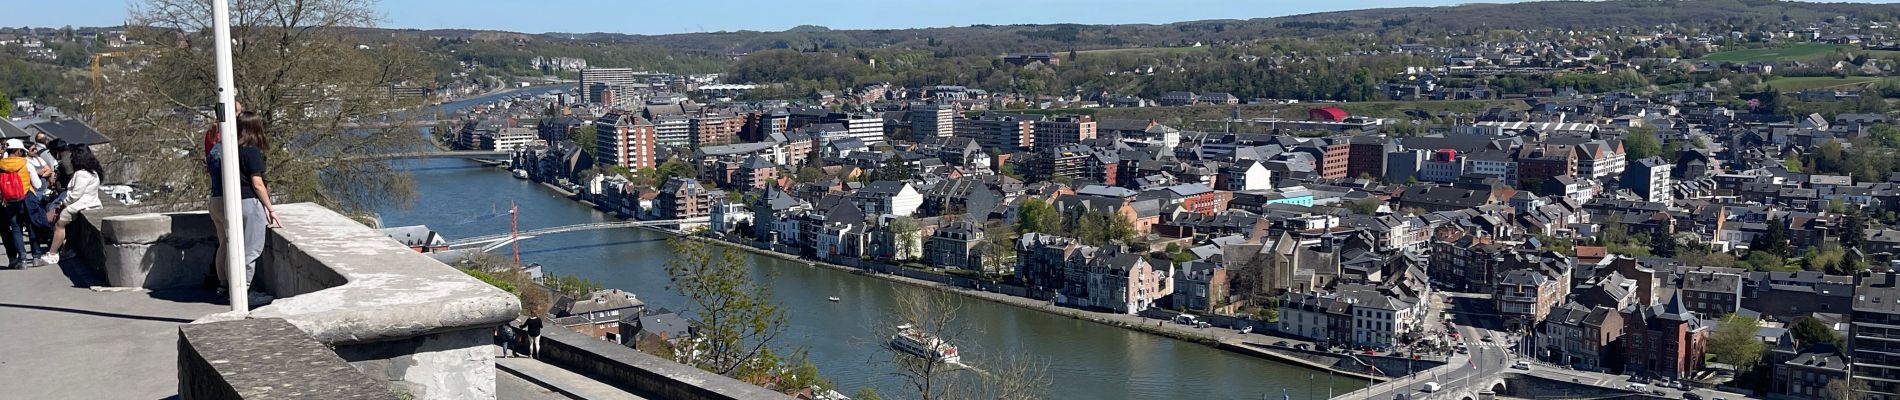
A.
pixel 65 340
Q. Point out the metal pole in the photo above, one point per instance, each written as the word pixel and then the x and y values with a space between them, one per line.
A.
pixel 228 165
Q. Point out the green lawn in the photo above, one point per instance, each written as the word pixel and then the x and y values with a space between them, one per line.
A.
pixel 1799 52
pixel 1799 83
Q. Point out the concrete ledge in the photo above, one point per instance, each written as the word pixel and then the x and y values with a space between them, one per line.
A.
pixel 391 312
pixel 265 359
pixel 641 373
pixel 146 250
pixel 345 283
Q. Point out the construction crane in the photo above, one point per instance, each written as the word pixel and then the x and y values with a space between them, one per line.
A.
pixel 98 82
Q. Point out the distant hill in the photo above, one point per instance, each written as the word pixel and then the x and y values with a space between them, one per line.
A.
pixel 1566 15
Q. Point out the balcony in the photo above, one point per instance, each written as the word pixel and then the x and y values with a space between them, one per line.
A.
pixel 357 315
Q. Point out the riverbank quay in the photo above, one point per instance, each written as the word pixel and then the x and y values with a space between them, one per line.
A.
pixel 1225 339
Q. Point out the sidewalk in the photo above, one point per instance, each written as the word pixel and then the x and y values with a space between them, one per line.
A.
pixel 67 341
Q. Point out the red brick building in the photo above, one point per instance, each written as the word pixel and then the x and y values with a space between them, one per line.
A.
pixel 1366 157
pixel 1539 162
pixel 1665 340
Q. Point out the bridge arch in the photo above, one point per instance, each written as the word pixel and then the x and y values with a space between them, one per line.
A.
pixel 1498 387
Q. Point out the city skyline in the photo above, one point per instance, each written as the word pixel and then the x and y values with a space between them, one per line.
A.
pixel 845 14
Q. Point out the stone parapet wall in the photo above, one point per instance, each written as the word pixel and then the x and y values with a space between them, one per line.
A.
pixel 393 313
pixel 258 359
pixel 641 373
pixel 146 250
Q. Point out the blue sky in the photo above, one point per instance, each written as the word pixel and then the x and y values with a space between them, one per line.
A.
pixel 643 17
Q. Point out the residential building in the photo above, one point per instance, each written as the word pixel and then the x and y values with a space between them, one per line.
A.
pixel 932 120
pixel 957 245
pixel 1063 130
pixel 1127 283
pixel 604 77
pixel 1873 339
pixel 1649 179
pixel 1200 286
pixel 682 198
pixel 1003 132
pixel 1807 374
pixel 1246 175
pixel 600 314
pixel 625 140
pixel 1664 341
pixel 672 130
pixel 1711 292
pixel 888 198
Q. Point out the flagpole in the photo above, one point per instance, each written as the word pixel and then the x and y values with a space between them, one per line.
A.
pixel 234 273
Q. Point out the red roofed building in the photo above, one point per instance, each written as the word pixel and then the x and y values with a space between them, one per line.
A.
pixel 1326 114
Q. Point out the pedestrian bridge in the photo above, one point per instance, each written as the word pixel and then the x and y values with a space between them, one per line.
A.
pixel 433 154
pixel 492 242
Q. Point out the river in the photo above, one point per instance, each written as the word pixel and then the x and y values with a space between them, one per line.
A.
pixel 1085 360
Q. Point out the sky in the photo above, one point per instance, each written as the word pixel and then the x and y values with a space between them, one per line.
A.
pixel 644 17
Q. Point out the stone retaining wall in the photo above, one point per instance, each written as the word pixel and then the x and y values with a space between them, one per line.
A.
pixel 393 313
pixel 265 359
pixel 641 373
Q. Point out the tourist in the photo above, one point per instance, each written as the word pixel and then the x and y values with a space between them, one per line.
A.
pixel 41 163
pixel 82 193
pixel 505 337
pixel 256 206
pixel 533 326
pixel 15 186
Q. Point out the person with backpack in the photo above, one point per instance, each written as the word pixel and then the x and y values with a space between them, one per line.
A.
pixel 41 163
pixel 16 183
pixel 82 193
pixel 257 210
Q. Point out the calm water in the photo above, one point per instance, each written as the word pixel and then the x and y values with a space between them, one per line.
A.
pixel 1086 360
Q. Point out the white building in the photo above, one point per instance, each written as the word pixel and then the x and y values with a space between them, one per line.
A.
pixel 1249 175
pixel 672 130
pixel 888 198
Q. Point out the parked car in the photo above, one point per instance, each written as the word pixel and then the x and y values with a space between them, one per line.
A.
pixel 1302 346
pixel 1280 343
pixel 1691 396
pixel 1523 365
pixel 1430 387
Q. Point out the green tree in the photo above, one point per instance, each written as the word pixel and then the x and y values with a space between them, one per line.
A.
pixel 1120 228
pixel 587 138
pixel 1841 389
pixel 1775 241
pixel 6 107
pixel 866 394
pixel 734 318
pixel 904 232
pixel 1734 342
pixel 1854 231
pixel 301 70
pixel 1641 143
pixel 1038 216
pixel 894 169
pixel 1365 206
pixel 1809 331
pixel 675 168
pixel 571 285
pixel 998 247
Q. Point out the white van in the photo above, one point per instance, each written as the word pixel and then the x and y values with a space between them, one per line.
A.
pixel 1430 387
